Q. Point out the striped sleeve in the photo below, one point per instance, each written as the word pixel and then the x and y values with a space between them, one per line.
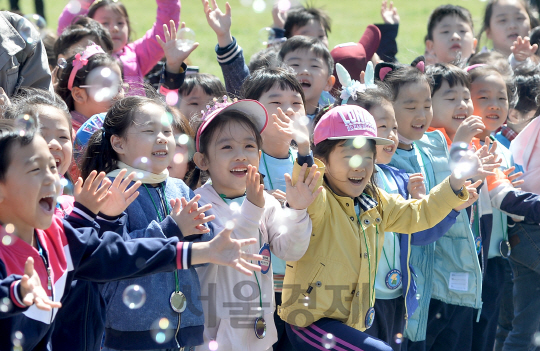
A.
pixel 15 294
pixel 183 255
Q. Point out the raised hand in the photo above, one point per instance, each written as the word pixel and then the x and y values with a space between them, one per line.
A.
pixel 174 53
pixel 93 193
pixel 119 198
pixel 389 13
pixel 470 127
pixel 254 188
pixel 416 186
pixel 296 128
pixel 303 193
pixel 513 177
pixel 189 217
pixel 219 22
pixel 522 48
pixel 488 156
pixel 473 194
pixel 279 16
pixel 31 290
pixel 473 168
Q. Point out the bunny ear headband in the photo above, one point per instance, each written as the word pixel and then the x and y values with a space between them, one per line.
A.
pixel 351 86
pixel 383 68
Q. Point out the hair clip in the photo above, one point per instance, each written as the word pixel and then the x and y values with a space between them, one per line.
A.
pixel 469 68
pixel 350 86
pixel 81 60
pixel 216 106
pixel 419 63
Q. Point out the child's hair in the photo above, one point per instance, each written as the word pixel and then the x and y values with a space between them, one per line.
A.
pixel 10 137
pixel 264 79
pixel 267 57
pixel 83 27
pixel 210 84
pixel 527 88
pixel 494 59
pixel 403 75
pixel 535 37
pixel 97 60
pixel 116 6
pixel 181 124
pixel 447 10
pixel 487 70
pixel 369 98
pixel 99 154
pixel 49 40
pixel 300 42
pixel 446 72
pixel 489 11
pixel 300 16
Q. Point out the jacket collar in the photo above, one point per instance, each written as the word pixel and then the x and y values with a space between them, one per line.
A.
pixel 366 202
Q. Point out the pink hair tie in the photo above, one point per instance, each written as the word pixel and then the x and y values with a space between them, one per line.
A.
pixel 469 68
pixel 82 60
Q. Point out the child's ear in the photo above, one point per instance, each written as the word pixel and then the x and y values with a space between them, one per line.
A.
pixel 488 34
pixel 79 95
pixel 117 144
pixel 330 83
pixel 200 161
pixel 429 45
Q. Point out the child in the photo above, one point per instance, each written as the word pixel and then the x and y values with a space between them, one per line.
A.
pixel 450 35
pixel 57 251
pixel 228 143
pixel 197 91
pixel 332 285
pixel 181 164
pixel 506 20
pixel 307 21
pixel 137 57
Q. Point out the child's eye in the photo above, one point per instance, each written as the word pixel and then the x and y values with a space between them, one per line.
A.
pixel 294 65
pixel 451 99
pixel 315 66
pixel 148 131
pixel 226 147
pixel 383 126
pixel 410 108
pixel 427 107
pixel 502 21
pixel 105 24
pixel 276 102
pixel 193 104
pixel 445 32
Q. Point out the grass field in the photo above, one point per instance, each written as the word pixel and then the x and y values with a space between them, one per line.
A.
pixel 349 19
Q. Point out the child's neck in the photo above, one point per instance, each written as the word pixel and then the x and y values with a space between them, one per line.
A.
pixel 84 109
pixel 312 106
pixel 276 149
pixel 225 192
pixel 483 134
pixel 404 146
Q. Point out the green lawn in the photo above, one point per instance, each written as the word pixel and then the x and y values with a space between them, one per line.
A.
pixel 350 17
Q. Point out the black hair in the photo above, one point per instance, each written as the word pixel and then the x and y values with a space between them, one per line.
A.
pixel 487 70
pixel 403 75
pixel 527 88
pixel 300 42
pixel 181 124
pixel 444 11
pixel 488 12
pixel 267 57
pixel 99 154
pixel 11 136
pixel 116 6
pixel 97 60
pixel 49 40
pixel 27 100
pixel 494 59
pixel 535 37
pixel 371 97
pixel 210 84
pixel 300 16
pixel 446 72
pixel 264 79
pixel 83 27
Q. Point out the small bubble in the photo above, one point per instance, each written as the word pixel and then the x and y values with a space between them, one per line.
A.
pixel 167 119
pixel 438 316
pixel 37 21
pixel 64 182
pixel 140 175
pixel 536 339
pixel 246 3
pixel 160 331
pixel 144 159
pixel 398 339
pixel 234 207
pixel 26 34
pixel 213 345
pixel 283 229
pixel 328 341
pixel 62 63
pixel 24 123
pixel 284 5
pixel 259 6
pixel 185 38
pixel 171 98
pixel 267 35
pixel 74 7
pixel 17 339
pixel 304 120
pixel 10 228
pixel 178 158
pixel 5 305
pixel 134 296
pixel 183 139
pixel 417 296
pixel 7 240
pixel 229 225
pixel 355 161
pixel 103 84
pixel 359 142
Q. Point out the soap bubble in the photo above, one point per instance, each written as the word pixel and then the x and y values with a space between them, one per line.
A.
pixel 178 158
pixel 259 6
pixel 171 98
pixel 304 120
pixel 284 5
pixel 355 161
pixel 38 21
pixel 536 339
pixel 417 296
pixel 144 159
pixel 213 345
pixel 64 182
pixel 9 228
pixel 160 331
pixel 185 38
pixel 267 35
pixel 234 207
pixel 328 341
pixel 7 240
pixel 461 160
pixel 5 305
pixel 246 3
pixel 26 34
pixel 283 229
pixel 438 316
pixel 74 7
pixel 140 175
pixel 103 84
pixel 24 123
pixel 398 339
pixel 61 63
pixel 183 139
pixel 167 119
pixel 359 142
pixel 17 339
pixel 229 225
pixel 134 296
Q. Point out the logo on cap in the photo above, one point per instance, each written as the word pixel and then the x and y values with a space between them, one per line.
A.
pixel 354 120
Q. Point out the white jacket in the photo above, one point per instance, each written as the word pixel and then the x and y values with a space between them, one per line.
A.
pixel 230 299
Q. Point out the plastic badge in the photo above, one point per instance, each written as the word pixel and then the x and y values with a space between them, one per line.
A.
pixel 393 279
pixel 266 261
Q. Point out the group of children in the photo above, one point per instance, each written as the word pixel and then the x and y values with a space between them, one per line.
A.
pixel 318 199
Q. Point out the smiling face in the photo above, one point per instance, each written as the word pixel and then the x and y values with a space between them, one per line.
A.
pixel 193 103
pixel 450 107
pixel 55 129
pixel 149 142
pixel 413 110
pixel 452 37
pixel 29 189
pixel 116 24
pixel 490 101
pixel 386 128
pixel 312 29
pixel 349 169
pixel 509 20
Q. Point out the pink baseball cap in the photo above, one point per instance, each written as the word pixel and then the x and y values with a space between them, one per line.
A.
pixel 253 109
pixel 347 122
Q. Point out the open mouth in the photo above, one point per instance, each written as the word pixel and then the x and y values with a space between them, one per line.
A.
pixel 418 127
pixel 57 161
pixel 305 83
pixel 239 171
pixel 492 116
pixel 47 203
pixel 389 149
pixel 160 153
pixel 513 36
pixel 456 47
pixel 355 180
pixel 459 117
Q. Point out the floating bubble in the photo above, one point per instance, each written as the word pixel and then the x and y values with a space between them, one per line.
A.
pixel 304 120
pixel 438 316
pixel 398 338
pixel 160 331
pixel 38 21
pixel 64 182
pixel 267 35
pixel 185 38
pixel 74 7
pixel 9 228
pixel 359 142
pixel 213 345
pixel 536 339
pixel 259 6
pixel 24 123
pixel 417 296
pixel 5 305
pixel 142 163
pixel 26 34
pixel 178 158
pixel 103 84
pixel 62 63
pixel 246 3
pixel 144 160
pixel 284 5
pixel 234 207
pixel 283 229
pixel 140 175
pixel 229 225
pixel 17 339
pixel 328 341
pixel 355 161
pixel 167 119
pixel 134 296
pixel 7 240
pixel 183 139
pixel 461 160
pixel 171 98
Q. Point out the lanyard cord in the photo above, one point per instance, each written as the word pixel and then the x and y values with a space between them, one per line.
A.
pixel 369 259
pixel 423 165
pixel 266 167
pixel 504 230
pixel 384 252
pixel 167 211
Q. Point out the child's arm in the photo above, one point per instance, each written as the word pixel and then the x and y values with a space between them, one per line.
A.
pixel 388 49
pixel 72 10
pixel 230 55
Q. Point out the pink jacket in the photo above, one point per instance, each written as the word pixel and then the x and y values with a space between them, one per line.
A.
pixel 526 151
pixel 140 56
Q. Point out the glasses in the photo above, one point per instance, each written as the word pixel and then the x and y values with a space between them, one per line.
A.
pixel 122 88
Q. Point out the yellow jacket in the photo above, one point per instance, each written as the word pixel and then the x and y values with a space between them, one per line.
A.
pixel 332 279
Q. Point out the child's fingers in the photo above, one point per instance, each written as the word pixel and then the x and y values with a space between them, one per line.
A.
pixel 173 29
pixel 89 180
pixel 190 203
pixel 311 174
pixel 117 181
pixel 314 181
pixel 227 9
pixel 29 266
pixel 97 183
pixel 132 189
pixel 302 173
pixel 132 198
pixel 204 220
pixel 103 189
pixel 160 42
pixel 201 210
pixel 177 206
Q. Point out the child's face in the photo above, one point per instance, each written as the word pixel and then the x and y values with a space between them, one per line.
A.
pixel 312 73
pixel 348 169
pixel 451 106
pixel 179 165
pixel 54 128
pixel 85 100
pixel 386 128
pixel 413 110
pixel 452 37
pixel 312 29
pixel 231 150
pixel 28 192
pixel 490 101
pixel 193 103
pixel 508 21
pixel 149 142
pixel 116 24
pixel 290 103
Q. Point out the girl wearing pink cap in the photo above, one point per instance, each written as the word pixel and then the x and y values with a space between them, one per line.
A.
pixel 329 293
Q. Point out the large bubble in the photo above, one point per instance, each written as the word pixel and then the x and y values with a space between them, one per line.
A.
pixel 259 6
pixel 267 35
pixel 103 84
pixel 185 38
pixel 461 161
pixel 38 21
pixel 134 296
